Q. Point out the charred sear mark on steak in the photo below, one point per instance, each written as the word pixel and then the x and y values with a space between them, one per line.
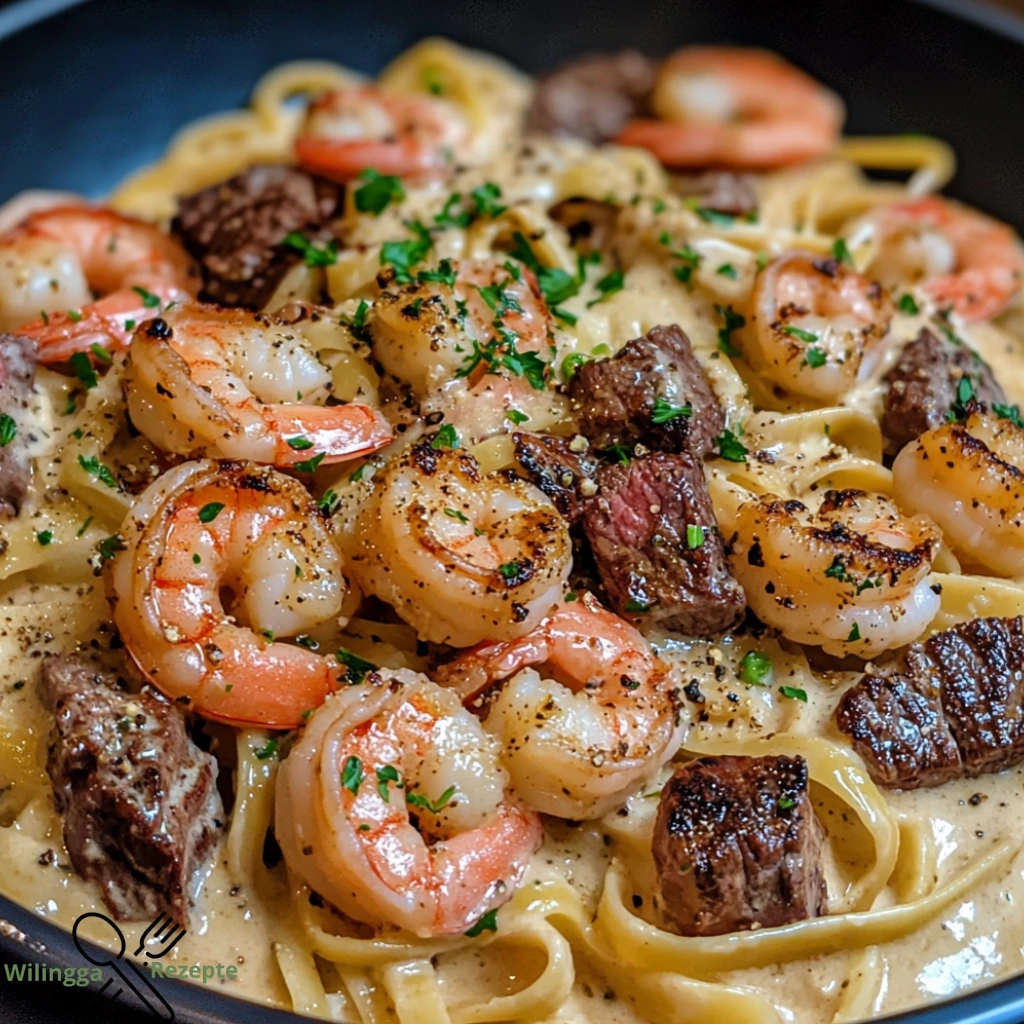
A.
pixel 139 799
pixel 563 469
pixel 923 386
pixel 737 845
pixel 951 706
pixel 637 396
pixel 17 376
pixel 657 548
pixel 592 97
pixel 235 229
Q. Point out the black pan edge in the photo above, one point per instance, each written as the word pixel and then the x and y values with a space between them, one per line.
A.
pixel 27 938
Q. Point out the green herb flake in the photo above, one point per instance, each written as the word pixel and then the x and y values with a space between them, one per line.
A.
pixel 74 315
pixel 149 300
pixel 377 192
pixel 756 668
pixel 129 326
pixel 709 216
pixel 485 198
pixel 403 256
pixel 330 501
pixel 8 429
pixel 444 274
pixel 908 305
pixel 314 256
pixel 434 806
pixel 110 546
pixel 841 252
pixel 44 537
pixel 730 447
pixel 793 693
pixel 92 465
pixel 101 353
pixel 608 286
pixel 1005 412
pixel 352 774
pixel 446 437
pixel 210 511
pixel 267 751
pixel 357 325
pixel 309 465
pixel 732 321
pixel 454 513
pixel 299 444
pixel 965 398
pixel 694 536
pixel 799 332
pixel 510 570
pixel 517 417
pixel 637 607
pixel 82 365
pixel 815 357
pixel 196 559
pixel 85 526
pixel 487 923
pixel 356 668
pixel 665 412
pixel 786 803
pixel 854 634
pixel 385 774
pixel 727 270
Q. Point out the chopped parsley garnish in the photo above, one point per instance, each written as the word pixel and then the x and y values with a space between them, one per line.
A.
pixel 730 447
pixel 445 273
pixel 619 453
pixel 101 353
pixel 499 300
pixel 571 363
pixel 838 571
pixel 352 774
pixel 815 357
pixel 756 668
pixel 357 668
pixel 44 316
pixel 329 502
pixel 403 256
pixel 727 270
pixel 694 536
pixel 446 437
pixel 357 476
pixel 314 256
pixel 299 443
pixel 82 365
pixel 454 513
pixel 854 634
pixel 841 252
pixel 794 693
pixel 44 537
pixel 449 217
pixel 1005 412
pixel 485 198
pixel 8 429
pixel 357 325
pixel 510 570
pixel 304 640
pixel 110 546
pixel 309 465
pixel 413 309
pixel 377 192
pixel 196 559
pixel 267 751
pixel 502 352
pixel 149 300
pixel 665 412
pixel 74 315
pixel 637 607
pixel 432 81
pixel 210 511
pixel 85 526
pixel 965 397
pixel 387 773
pixel 762 260
pixel 799 332
pixel 516 416
pixel 689 258
pixel 608 286
pixel 487 923
pixel 733 321
pixel 92 465
pixel 129 325
pixel 786 803
pixel 434 806
pixel 721 220
pixel 907 304
pixel 556 285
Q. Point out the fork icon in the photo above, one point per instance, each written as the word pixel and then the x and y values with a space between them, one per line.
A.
pixel 161 931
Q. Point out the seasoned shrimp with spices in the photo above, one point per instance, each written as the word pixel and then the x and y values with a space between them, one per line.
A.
pixel 460 556
pixel 816 326
pixel 595 719
pixel 393 806
pixel 852 575
pixel 202 380
pixel 56 259
pixel 349 130
pixel 722 107
pixel 220 559
pixel 969 477
pixel 962 258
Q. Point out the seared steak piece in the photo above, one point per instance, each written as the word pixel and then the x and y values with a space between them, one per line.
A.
pixel 139 799
pixel 235 229
pixel 17 375
pixel 560 467
pixel 634 396
pixel 721 191
pixel 953 706
pixel 737 844
pixel 923 386
pixel 592 97
pixel 652 530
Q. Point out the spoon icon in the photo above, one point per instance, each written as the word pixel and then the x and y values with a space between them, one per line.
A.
pixel 140 984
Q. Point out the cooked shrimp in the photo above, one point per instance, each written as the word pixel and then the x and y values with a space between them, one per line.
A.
pixel 349 130
pixel 461 557
pixel 969 477
pixel 392 806
pixel 851 576
pixel 202 380
pixel 426 333
pixel 53 262
pixel 602 719
pixel 815 326
pixel 206 529
pixel 963 258
pixel 736 108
